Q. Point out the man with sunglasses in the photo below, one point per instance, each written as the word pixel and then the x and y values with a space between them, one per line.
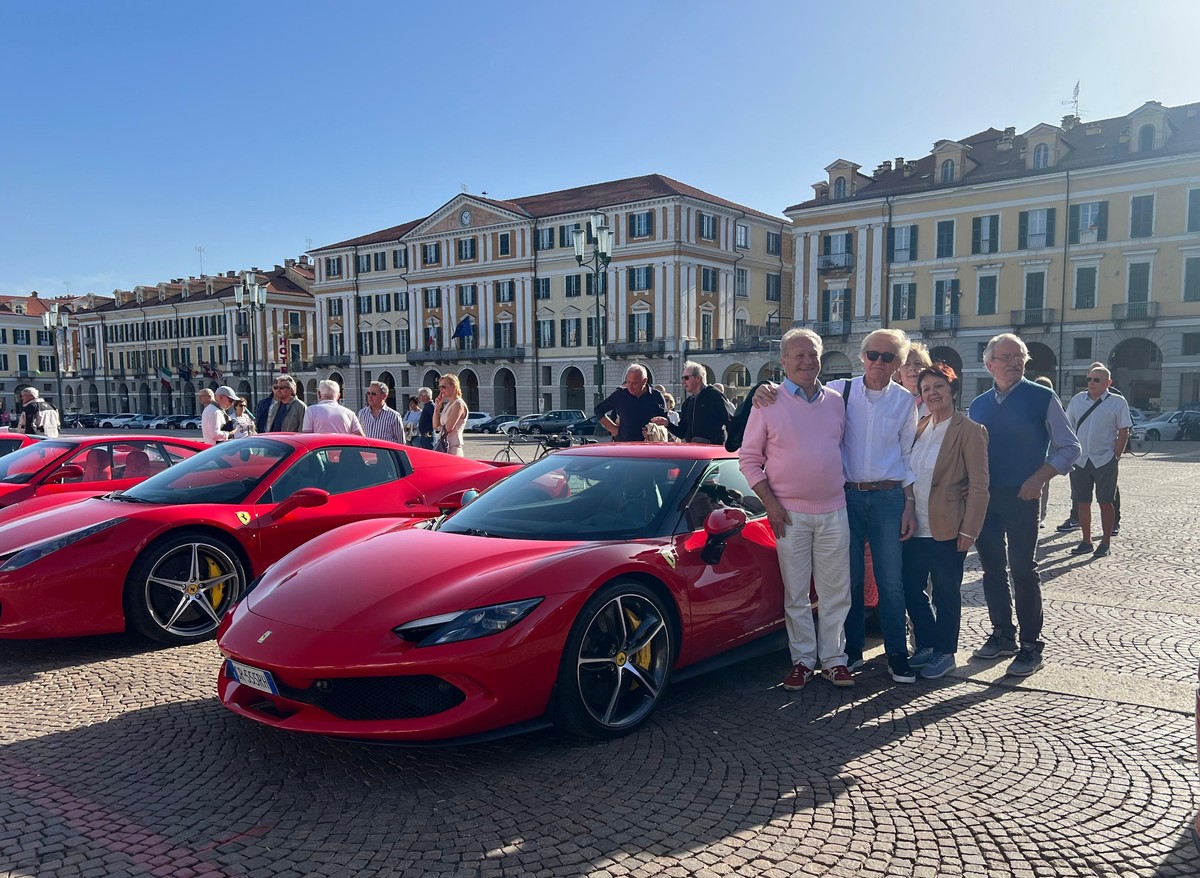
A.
pixel 378 419
pixel 703 417
pixel 286 414
pixel 1101 421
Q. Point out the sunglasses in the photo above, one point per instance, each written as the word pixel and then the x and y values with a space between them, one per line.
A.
pixel 372 393
pixel 1095 381
pixel 281 387
pixel 887 356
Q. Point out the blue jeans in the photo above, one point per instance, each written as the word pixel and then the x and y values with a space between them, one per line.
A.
pixel 875 519
pixel 928 559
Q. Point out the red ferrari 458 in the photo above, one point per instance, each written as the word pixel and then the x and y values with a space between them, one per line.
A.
pixel 170 555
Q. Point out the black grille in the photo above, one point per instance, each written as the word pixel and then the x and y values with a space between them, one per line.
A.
pixel 367 698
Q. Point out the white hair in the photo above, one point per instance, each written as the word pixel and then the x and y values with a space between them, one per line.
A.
pixel 328 389
pixel 696 369
pixel 32 391
pixel 638 367
pixel 1003 337
pixel 802 333
pixel 898 337
pixel 425 393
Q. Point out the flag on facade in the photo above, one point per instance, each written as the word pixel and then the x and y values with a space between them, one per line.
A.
pixel 164 374
pixel 464 329
pixel 185 373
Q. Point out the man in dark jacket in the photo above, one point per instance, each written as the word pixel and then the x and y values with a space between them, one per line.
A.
pixel 635 405
pixel 703 417
pixel 424 437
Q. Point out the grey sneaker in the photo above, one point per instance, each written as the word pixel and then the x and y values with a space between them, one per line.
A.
pixel 995 647
pixel 939 666
pixel 921 658
pixel 1028 660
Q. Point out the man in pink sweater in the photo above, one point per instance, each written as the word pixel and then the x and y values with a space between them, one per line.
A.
pixel 791 456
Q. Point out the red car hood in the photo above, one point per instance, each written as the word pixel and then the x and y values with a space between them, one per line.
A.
pixel 402 575
pixel 54 519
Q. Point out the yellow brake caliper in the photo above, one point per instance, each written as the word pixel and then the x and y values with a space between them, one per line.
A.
pixel 218 591
pixel 642 657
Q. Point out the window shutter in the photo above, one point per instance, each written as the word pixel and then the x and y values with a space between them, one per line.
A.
pixel 632 225
pixel 1073 224
pixel 977 234
pixel 1050 212
pixel 912 244
pixel 562 329
pixel 849 242
pixel 954 297
pixel 825 304
pixel 1102 221
pixel 995 241
pixel 939 298
pixel 649 277
pixel 897 298
pixel 911 311
pixel 650 223
pixel 631 275
pixel 891 244
pixel 827 245
pixel 632 334
pixel 1023 230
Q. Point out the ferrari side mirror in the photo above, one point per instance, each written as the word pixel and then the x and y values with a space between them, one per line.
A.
pixel 721 525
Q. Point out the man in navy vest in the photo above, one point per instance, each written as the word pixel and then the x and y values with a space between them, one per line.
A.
pixel 1029 442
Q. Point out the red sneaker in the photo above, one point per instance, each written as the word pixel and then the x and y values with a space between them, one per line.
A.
pixel 797 678
pixel 838 675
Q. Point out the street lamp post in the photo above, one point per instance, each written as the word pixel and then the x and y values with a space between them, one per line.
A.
pixel 601 255
pixel 251 297
pixel 56 322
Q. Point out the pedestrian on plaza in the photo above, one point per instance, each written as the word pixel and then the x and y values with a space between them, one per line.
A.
pixel 635 405
pixel 378 419
pixel 286 412
pixel 329 415
pixel 918 360
pixel 1029 442
pixel 730 408
pixel 1116 528
pixel 261 409
pixel 425 424
pixel 791 457
pixel 450 415
pixel 411 419
pixel 243 421
pixel 949 460
pixel 1046 382
pixel 38 417
pixel 881 424
pixel 215 425
pixel 1101 421
pixel 704 417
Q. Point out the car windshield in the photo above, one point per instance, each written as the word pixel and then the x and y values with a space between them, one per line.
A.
pixel 21 466
pixel 565 497
pixel 225 473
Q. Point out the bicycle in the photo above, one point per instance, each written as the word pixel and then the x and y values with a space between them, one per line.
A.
pixel 545 444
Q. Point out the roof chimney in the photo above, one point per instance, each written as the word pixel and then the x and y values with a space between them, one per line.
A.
pixel 1069 122
pixel 899 162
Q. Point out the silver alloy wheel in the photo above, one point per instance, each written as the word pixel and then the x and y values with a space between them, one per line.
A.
pixel 1153 435
pixel 190 587
pixel 623 661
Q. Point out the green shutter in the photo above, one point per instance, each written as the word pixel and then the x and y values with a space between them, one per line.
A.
pixel 1191 277
pixel 1193 218
pixel 1050 212
pixel 827 245
pixel 954 296
pixel 897 298
pixel 849 242
pixel 1102 222
pixel 632 224
pixel 976 235
pixel 1023 230
pixel 1073 224
pixel 912 243
pixel 891 244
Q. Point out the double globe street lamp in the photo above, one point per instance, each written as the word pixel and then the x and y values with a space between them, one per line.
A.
pixel 597 261
pixel 56 322
pixel 251 297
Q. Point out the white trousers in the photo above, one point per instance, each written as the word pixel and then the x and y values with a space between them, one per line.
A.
pixel 816 545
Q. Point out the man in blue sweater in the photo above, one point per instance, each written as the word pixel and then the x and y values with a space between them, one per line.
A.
pixel 1029 442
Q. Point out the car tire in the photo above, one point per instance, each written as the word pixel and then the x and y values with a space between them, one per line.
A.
pixel 1153 435
pixel 535 430
pixel 181 585
pixel 616 664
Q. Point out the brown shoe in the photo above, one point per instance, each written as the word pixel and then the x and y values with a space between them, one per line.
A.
pixel 797 678
pixel 838 675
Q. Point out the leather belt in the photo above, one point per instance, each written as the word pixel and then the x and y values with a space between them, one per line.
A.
pixel 871 486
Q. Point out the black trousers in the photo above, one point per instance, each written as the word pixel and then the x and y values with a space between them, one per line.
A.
pixel 1007 544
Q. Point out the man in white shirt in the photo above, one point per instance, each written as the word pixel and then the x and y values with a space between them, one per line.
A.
pixel 378 419
pixel 213 420
pixel 328 415
pixel 1101 421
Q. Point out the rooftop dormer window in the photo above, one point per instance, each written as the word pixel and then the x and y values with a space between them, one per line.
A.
pixel 839 188
pixel 1041 156
pixel 1146 138
pixel 947 174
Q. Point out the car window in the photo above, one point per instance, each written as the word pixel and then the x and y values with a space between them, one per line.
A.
pixel 20 466
pixel 176 453
pixel 722 485
pixel 336 470
pixel 96 462
pixel 225 473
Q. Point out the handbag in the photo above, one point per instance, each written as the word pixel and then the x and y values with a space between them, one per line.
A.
pixel 442 444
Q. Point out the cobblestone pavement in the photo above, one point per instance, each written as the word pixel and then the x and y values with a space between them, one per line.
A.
pixel 115 758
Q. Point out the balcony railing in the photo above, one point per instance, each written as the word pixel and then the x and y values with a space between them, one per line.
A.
pixel 939 322
pixel 88 373
pixel 835 262
pixel 1135 311
pixel 654 348
pixel 474 355
pixel 1033 317
pixel 825 328
pixel 327 361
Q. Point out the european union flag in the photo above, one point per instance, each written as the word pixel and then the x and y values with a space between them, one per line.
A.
pixel 463 330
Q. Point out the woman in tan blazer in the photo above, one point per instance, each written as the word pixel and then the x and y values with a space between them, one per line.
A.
pixel 949 459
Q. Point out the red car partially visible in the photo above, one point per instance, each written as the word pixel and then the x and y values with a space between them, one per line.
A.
pixel 10 441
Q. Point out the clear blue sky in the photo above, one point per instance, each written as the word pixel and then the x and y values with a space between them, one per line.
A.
pixel 133 132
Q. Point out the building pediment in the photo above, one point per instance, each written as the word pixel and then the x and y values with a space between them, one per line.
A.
pixel 1043 129
pixel 463 214
pixel 949 146
pixel 843 165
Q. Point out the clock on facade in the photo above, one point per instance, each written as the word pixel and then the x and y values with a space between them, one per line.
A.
pixel 465 217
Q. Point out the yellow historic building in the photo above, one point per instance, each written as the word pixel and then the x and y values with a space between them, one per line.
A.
pixel 1083 238
pixel 491 290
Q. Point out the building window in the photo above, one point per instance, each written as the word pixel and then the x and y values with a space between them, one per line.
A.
pixel 573 285
pixel 364 304
pixel 566 235
pixel 544 239
pixel 945 239
pixel 741 283
pixel 1035 229
pixel 837 251
pixel 774 287
pixel 1035 291
pixel 904 301
pixel 1082 348
pixel 402 342
pixel 741 237
pixel 333 266
pixel 708 280
pixel 1041 156
pixel 948 171
pixel 591 332
pixel 337 345
pixel 985 302
pixel 774 243
pixel 466 249
pixel 466 295
pixel 383 341
pixel 839 188
pixel 706 330
pixel 1085 287
pixel 985 234
pixel 46 363
pixel 1139 282
pixel 641 278
pixel 590 286
pixel 333 308
pixel 44 338
pixel 505 335
pixel 1191 279
pixel 504 244
pixel 383 303
pixel 1141 216
pixel 401 300
pixel 1088 223
pixel 1193 208
pixel 400 258
pixel 641 326
pixel 902 243
pixel 545 333
pixel 362 263
pixel 433 337
pixel 945 297
pixel 380 260
pixel 1146 138
pixel 433 297
pixel 1191 344
pixel 505 291
pixel 571 335
pixel 431 254
pixel 366 344
pixel 541 288
pixel 706 226
pixel 641 225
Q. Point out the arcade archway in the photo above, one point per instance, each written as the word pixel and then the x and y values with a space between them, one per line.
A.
pixel 1136 366
pixel 571 388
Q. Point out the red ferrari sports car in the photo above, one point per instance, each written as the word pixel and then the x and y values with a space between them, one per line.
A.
pixel 571 592
pixel 10 441
pixel 170 555
pixel 87 464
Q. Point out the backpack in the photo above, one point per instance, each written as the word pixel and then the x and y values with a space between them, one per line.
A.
pixel 737 424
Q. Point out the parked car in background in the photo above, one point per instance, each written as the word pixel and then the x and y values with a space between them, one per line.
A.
pixel 1189 427
pixel 1165 426
pixel 140 422
pixel 91 420
pixel 1137 415
pixel 587 427
pixel 551 422
pixel 474 419
pixel 494 424
pixel 70 422
pixel 109 422
pixel 513 427
pixel 171 422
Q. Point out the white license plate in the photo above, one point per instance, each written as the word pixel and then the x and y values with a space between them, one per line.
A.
pixel 253 677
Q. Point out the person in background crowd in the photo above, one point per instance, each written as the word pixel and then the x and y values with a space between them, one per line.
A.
pixel 791 457
pixel 1101 422
pixel 261 408
pixel 378 419
pixel 635 405
pixel 243 422
pixel 286 412
pixel 949 455
pixel 881 424
pixel 450 414
pixel 412 418
pixel 918 360
pixel 214 423
pixel 1029 442
pixel 329 415
pixel 425 423
pixel 1046 382
pixel 37 415
pixel 669 399
pixel 704 417
pixel 730 408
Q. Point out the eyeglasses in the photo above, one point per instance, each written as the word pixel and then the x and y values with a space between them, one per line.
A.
pixel 1096 381
pixel 686 377
pixel 1007 358
pixel 887 356
pixel 372 393
pixel 281 387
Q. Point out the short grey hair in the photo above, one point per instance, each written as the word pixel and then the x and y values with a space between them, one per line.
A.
pixel 1003 337
pixel 1101 368
pixel 287 379
pixel 32 391
pixel 696 369
pixel 638 367
pixel 328 389
pixel 381 387
pixel 206 395
pixel 898 337
pixel 425 394
pixel 802 333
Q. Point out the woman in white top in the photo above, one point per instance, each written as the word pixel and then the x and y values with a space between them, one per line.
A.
pixel 450 414
pixel 906 375
pixel 412 418
pixel 949 459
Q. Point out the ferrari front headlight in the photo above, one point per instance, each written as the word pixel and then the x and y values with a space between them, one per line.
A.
pixel 465 625
pixel 30 554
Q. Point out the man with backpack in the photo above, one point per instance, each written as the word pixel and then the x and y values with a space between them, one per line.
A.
pixel 37 415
